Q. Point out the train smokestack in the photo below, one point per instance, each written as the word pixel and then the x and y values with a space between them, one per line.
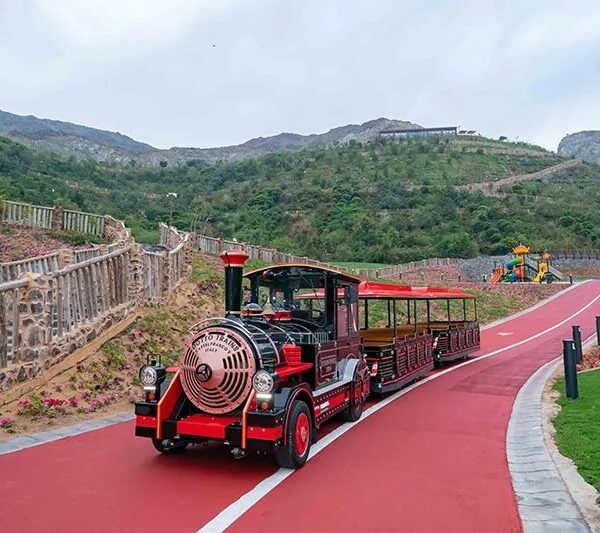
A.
pixel 234 267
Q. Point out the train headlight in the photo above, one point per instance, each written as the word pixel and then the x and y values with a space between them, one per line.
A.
pixel 148 376
pixel 263 382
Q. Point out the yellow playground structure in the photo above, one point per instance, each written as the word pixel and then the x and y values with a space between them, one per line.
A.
pixel 523 268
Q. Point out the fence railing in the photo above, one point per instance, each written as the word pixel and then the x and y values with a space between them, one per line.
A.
pixel 39 265
pixel 90 253
pixel 398 270
pixel 153 274
pixel 10 299
pixel 20 214
pixel 213 246
pixel 83 222
pixel 177 265
pixel 589 255
pixel 57 218
pixel 163 271
pixel 83 291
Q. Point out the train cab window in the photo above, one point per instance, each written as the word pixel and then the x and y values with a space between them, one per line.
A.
pixel 347 312
pixel 311 308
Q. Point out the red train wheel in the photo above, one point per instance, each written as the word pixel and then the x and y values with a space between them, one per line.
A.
pixel 302 433
pixel 293 453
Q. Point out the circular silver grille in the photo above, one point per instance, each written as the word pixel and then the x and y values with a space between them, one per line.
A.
pixel 217 366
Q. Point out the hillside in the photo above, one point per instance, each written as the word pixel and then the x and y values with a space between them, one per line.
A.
pixel 83 142
pixel 70 139
pixel 378 201
pixel 277 143
pixel 584 145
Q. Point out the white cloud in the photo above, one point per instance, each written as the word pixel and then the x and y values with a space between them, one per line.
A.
pixel 149 68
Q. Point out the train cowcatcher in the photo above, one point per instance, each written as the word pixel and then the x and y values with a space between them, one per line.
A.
pixel 262 379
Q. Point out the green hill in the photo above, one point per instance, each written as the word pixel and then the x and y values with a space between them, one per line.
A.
pixel 382 201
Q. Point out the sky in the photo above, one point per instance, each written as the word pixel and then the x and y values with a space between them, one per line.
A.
pixel 214 73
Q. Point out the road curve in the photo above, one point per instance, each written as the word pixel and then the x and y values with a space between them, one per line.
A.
pixel 432 460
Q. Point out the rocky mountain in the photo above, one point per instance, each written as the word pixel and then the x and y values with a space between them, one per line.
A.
pixel 84 142
pixel 276 143
pixel 71 139
pixel 584 145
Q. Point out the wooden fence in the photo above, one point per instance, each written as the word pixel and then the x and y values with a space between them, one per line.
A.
pixel 83 291
pixel 90 253
pixel 583 255
pixel 212 246
pixel 10 299
pixel 19 214
pixel 37 216
pixel 83 222
pixel 38 265
pixel 153 274
pixel 177 265
pixel 163 271
pixel 397 270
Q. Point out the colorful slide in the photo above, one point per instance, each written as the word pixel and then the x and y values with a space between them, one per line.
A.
pixel 497 275
pixel 512 272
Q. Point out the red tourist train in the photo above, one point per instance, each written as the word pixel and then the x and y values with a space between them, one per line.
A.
pixel 265 378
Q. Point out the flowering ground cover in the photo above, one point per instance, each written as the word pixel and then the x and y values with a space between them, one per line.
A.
pixel 591 359
pixel 21 243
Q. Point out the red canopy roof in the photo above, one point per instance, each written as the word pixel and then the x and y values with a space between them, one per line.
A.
pixel 375 289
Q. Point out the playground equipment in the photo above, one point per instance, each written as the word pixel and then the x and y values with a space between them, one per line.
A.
pixel 523 268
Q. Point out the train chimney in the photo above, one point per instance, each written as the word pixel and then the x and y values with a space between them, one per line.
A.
pixel 234 266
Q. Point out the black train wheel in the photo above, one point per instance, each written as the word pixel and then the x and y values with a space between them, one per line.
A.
pixel 298 437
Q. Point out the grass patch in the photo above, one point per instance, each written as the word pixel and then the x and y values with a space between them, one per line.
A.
pixel 577 428
pixel 359 266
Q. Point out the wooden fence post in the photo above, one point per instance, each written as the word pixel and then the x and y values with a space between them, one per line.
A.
pixel 57 218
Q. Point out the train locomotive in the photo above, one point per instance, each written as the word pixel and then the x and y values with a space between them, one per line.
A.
pixel 265 377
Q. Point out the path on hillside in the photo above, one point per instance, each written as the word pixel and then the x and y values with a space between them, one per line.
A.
pixel 492 188
pixel 431 460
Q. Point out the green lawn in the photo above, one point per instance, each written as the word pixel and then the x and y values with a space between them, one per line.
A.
pixel 578 428
pixel 358 266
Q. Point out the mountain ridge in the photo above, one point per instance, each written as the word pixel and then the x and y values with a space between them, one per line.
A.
pixel 85 142
pixel 584 145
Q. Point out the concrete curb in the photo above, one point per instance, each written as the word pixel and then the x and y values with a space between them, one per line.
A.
pixel 551 495
pixel 28 441
pixel 544 501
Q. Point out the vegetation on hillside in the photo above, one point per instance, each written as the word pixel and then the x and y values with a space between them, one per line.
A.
pixel 383 201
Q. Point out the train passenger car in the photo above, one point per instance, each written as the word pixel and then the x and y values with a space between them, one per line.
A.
pixel 406 331
pixel 264 378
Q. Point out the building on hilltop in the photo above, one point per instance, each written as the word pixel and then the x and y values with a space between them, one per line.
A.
pixel 394 133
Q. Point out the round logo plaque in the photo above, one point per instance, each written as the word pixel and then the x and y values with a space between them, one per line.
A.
pixel 217 366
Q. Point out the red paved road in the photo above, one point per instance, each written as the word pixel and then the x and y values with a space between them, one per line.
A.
pixel 433 460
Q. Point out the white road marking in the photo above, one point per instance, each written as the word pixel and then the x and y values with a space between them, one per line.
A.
pixel 504 333
pixel 231 513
